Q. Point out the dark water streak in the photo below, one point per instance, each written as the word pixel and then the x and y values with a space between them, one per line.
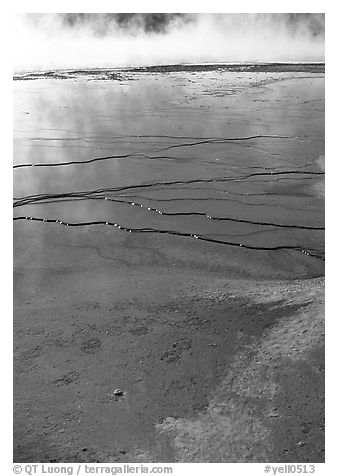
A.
pixel 313 254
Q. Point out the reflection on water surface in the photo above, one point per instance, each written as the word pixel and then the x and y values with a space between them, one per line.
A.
pixel 228 157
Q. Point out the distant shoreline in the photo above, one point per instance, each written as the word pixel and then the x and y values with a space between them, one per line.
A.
pixel 276 67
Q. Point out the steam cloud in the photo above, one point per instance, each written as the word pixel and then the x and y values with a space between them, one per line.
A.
pixel 79 40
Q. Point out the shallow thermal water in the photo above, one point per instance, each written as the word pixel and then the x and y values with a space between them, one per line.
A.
pixel 229 157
